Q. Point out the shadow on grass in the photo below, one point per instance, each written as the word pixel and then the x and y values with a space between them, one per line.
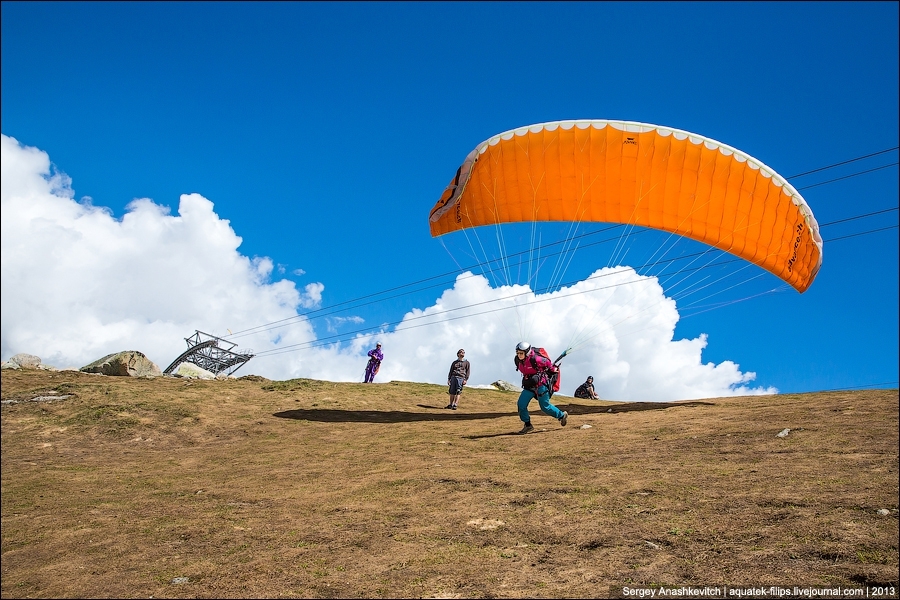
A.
pixel 587 409
pixel 328 415
pixel 537 431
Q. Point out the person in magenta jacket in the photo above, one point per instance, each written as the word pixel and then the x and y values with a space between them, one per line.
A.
pixel 375 358
pixel 535 370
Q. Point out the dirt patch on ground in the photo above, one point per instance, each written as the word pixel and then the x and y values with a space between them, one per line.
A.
pixel 121 487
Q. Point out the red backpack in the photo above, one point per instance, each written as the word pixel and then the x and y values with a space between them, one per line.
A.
pixel 553 374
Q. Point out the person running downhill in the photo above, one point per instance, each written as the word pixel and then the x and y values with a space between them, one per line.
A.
pixel 457 378
pixel 535 370
pixel 375 358
pixel 586 390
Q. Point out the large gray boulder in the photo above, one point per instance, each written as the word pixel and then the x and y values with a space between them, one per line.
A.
pixel 129 363
pixel 192 371
pixel 505 386
pixel 26 361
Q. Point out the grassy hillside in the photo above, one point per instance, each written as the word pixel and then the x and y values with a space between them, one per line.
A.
pixel 166 487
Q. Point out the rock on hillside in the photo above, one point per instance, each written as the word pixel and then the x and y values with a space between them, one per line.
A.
pixel 30 361
pixel 505 386
pixel 129 363
pixel 26 361
pixel 259 378
pixel 192 371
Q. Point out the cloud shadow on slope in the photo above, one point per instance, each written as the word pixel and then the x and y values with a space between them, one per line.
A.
pixel 329 415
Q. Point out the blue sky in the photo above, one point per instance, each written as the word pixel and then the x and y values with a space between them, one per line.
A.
pixel 322 134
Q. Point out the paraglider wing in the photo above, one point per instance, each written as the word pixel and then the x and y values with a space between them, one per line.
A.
pixel 637 174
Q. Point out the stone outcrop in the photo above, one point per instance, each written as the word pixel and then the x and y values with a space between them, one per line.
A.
pixel 505 386
pixel 26 361
pixel 129 363
pixel 192 371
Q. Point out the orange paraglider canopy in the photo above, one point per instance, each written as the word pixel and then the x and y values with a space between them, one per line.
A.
pixel 637 174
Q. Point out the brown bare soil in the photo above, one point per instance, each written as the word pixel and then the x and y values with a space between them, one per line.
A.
pixel 167 487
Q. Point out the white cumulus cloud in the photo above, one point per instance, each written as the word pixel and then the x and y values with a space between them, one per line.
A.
pixel 619 325
pixel 78 284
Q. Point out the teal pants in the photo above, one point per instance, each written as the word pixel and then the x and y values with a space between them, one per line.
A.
pixel 543 398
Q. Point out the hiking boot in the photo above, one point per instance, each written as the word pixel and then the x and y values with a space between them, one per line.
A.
pixel 528 428
pixel 564 419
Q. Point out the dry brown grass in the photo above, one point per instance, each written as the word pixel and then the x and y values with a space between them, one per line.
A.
pixel 313 489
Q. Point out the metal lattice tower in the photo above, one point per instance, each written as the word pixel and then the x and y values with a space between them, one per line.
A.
pixel 212 354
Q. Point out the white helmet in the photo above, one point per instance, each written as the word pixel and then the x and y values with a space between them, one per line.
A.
pixel 523 346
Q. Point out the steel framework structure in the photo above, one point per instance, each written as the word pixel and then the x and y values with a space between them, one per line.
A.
pixel 212 354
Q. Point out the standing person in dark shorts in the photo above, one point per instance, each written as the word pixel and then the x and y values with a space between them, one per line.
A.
pixel 458 377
